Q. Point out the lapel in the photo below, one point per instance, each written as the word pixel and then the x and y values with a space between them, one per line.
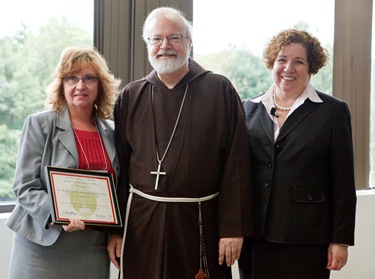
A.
pixel 107 138
pixel 266 123
pixel 66 134
pixel 295 118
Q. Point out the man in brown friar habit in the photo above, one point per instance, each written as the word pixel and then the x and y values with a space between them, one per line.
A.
pixel 183 147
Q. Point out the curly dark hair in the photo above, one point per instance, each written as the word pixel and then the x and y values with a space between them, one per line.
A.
pixel 317 56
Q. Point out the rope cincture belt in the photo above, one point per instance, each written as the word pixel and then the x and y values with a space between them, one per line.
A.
pixel 132 191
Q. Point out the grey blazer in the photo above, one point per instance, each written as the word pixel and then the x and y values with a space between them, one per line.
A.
pixel 47 139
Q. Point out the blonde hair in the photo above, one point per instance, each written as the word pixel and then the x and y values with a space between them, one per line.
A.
pixel 74 60
pixel 317 56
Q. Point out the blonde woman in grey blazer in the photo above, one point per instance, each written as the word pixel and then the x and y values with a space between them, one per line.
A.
pixel 75 133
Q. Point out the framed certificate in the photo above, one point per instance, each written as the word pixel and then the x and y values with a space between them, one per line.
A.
pixel 82 194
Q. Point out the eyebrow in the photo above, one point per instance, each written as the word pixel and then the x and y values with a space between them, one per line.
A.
pixel 298 57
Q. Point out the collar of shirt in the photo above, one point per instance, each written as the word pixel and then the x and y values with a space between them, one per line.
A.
pixel 267 101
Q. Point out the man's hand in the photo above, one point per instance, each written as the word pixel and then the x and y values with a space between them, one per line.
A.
pixel 114 249
pixel 230 249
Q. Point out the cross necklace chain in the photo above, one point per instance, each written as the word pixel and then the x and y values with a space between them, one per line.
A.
pixel 158 172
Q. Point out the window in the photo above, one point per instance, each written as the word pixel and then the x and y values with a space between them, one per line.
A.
pixel 30 46
pixel 236 33
pixel 220 39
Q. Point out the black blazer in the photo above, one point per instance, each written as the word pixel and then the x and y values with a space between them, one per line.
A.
pixel 304 181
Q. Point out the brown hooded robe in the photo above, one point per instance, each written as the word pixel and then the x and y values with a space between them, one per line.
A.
pixel 209 153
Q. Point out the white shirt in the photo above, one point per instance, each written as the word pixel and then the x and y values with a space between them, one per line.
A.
pixel 267 101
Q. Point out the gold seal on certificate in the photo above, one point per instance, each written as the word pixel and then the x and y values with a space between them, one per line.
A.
pixel 82 194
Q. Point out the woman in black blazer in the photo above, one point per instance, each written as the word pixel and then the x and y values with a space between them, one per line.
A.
pixel 302 166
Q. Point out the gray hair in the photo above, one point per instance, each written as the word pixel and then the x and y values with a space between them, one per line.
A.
pixel 171 14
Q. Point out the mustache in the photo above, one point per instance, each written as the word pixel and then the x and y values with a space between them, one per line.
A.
pixel 167 52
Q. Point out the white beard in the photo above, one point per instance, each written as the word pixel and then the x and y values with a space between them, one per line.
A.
pixel 168 65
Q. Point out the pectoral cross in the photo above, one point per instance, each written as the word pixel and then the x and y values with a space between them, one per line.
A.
pixel 158 173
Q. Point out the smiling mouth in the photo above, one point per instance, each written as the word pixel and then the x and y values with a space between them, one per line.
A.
pixel 288 78
pixel 166 55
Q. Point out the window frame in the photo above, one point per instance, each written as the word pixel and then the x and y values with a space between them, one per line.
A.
pixel 352 76
pixel 117 34
pixel 6 207
pixel 351 65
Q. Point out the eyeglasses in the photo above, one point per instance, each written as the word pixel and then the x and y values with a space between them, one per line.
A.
pixel 172 39
pixel 72 80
